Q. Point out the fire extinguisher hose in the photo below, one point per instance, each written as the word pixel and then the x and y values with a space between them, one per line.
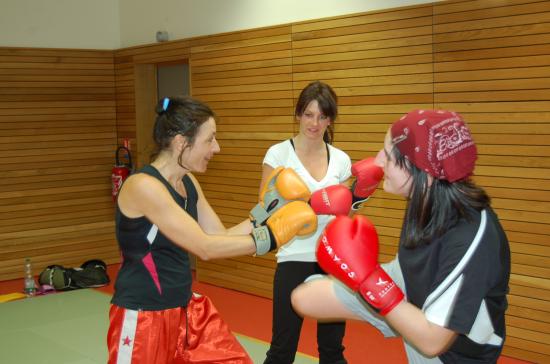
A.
pixel 117 159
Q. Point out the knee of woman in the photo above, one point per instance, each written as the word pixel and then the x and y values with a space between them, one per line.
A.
pixel 299 300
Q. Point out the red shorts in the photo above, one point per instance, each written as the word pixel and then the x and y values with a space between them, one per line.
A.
pixel 195 334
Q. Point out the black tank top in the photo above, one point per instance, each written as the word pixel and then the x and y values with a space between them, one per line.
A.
pixel 155 273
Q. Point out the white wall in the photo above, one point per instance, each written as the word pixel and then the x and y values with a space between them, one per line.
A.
pixel 113 24
pixel 90 24
pixel 141 19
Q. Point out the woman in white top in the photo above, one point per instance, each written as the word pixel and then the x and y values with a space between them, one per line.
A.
pixel 319 164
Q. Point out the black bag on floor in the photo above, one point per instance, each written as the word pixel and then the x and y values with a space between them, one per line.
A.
pixel 91 274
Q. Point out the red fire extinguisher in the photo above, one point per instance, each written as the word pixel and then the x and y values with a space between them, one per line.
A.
pixel 120 171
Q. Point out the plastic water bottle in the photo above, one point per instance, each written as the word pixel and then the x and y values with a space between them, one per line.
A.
pixel 30 287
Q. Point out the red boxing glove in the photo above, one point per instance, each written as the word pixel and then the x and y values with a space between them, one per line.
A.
pixel 367 177
pixel 332 200
pixel 348 250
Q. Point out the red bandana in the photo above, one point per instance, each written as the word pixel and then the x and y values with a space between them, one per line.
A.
pixel 437 142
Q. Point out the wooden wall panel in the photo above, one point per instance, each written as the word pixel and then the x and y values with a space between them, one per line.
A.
pixel 57 140
pixel 126 72
pixel 246 77
pixel 491 63
pixel 380 65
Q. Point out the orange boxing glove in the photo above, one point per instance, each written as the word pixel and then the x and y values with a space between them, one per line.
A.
pixel 296 218
pixel 282 186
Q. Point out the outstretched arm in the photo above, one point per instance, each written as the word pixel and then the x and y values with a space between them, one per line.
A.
pixel 209 220
pixel 143 195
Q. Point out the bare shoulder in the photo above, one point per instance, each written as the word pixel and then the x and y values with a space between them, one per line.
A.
pixel 141 182
pixel 139 191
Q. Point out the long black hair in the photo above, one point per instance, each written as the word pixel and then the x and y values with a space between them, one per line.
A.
pixel 434 208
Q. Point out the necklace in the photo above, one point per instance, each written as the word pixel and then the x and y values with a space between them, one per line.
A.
pixel 180 190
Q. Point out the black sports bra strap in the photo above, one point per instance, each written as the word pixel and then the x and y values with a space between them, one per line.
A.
pixel 326 146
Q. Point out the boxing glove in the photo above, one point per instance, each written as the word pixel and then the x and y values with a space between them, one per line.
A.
pixel 331 200
pixel 293 219
pixel 282 185
pixel 367 177
pixel 348 250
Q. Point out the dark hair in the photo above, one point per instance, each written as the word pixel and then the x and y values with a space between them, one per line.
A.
pixel 433 209
pixel 328 103
pixel 178 115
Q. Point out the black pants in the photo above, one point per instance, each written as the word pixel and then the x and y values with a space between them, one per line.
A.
pixel 287 324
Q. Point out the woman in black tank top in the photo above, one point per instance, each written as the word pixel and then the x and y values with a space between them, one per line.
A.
pixel 162 214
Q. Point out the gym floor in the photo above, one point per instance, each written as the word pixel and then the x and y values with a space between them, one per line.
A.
pixel 70 327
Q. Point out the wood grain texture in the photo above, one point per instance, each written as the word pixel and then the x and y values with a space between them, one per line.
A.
pixel 62 112
pixel 57 137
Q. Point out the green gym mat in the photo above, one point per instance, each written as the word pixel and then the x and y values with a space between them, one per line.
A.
pixel 70 328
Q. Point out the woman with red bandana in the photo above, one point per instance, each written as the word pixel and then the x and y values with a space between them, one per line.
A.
pixel 445 292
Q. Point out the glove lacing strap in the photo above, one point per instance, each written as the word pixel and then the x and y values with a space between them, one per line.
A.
pixel 264 240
